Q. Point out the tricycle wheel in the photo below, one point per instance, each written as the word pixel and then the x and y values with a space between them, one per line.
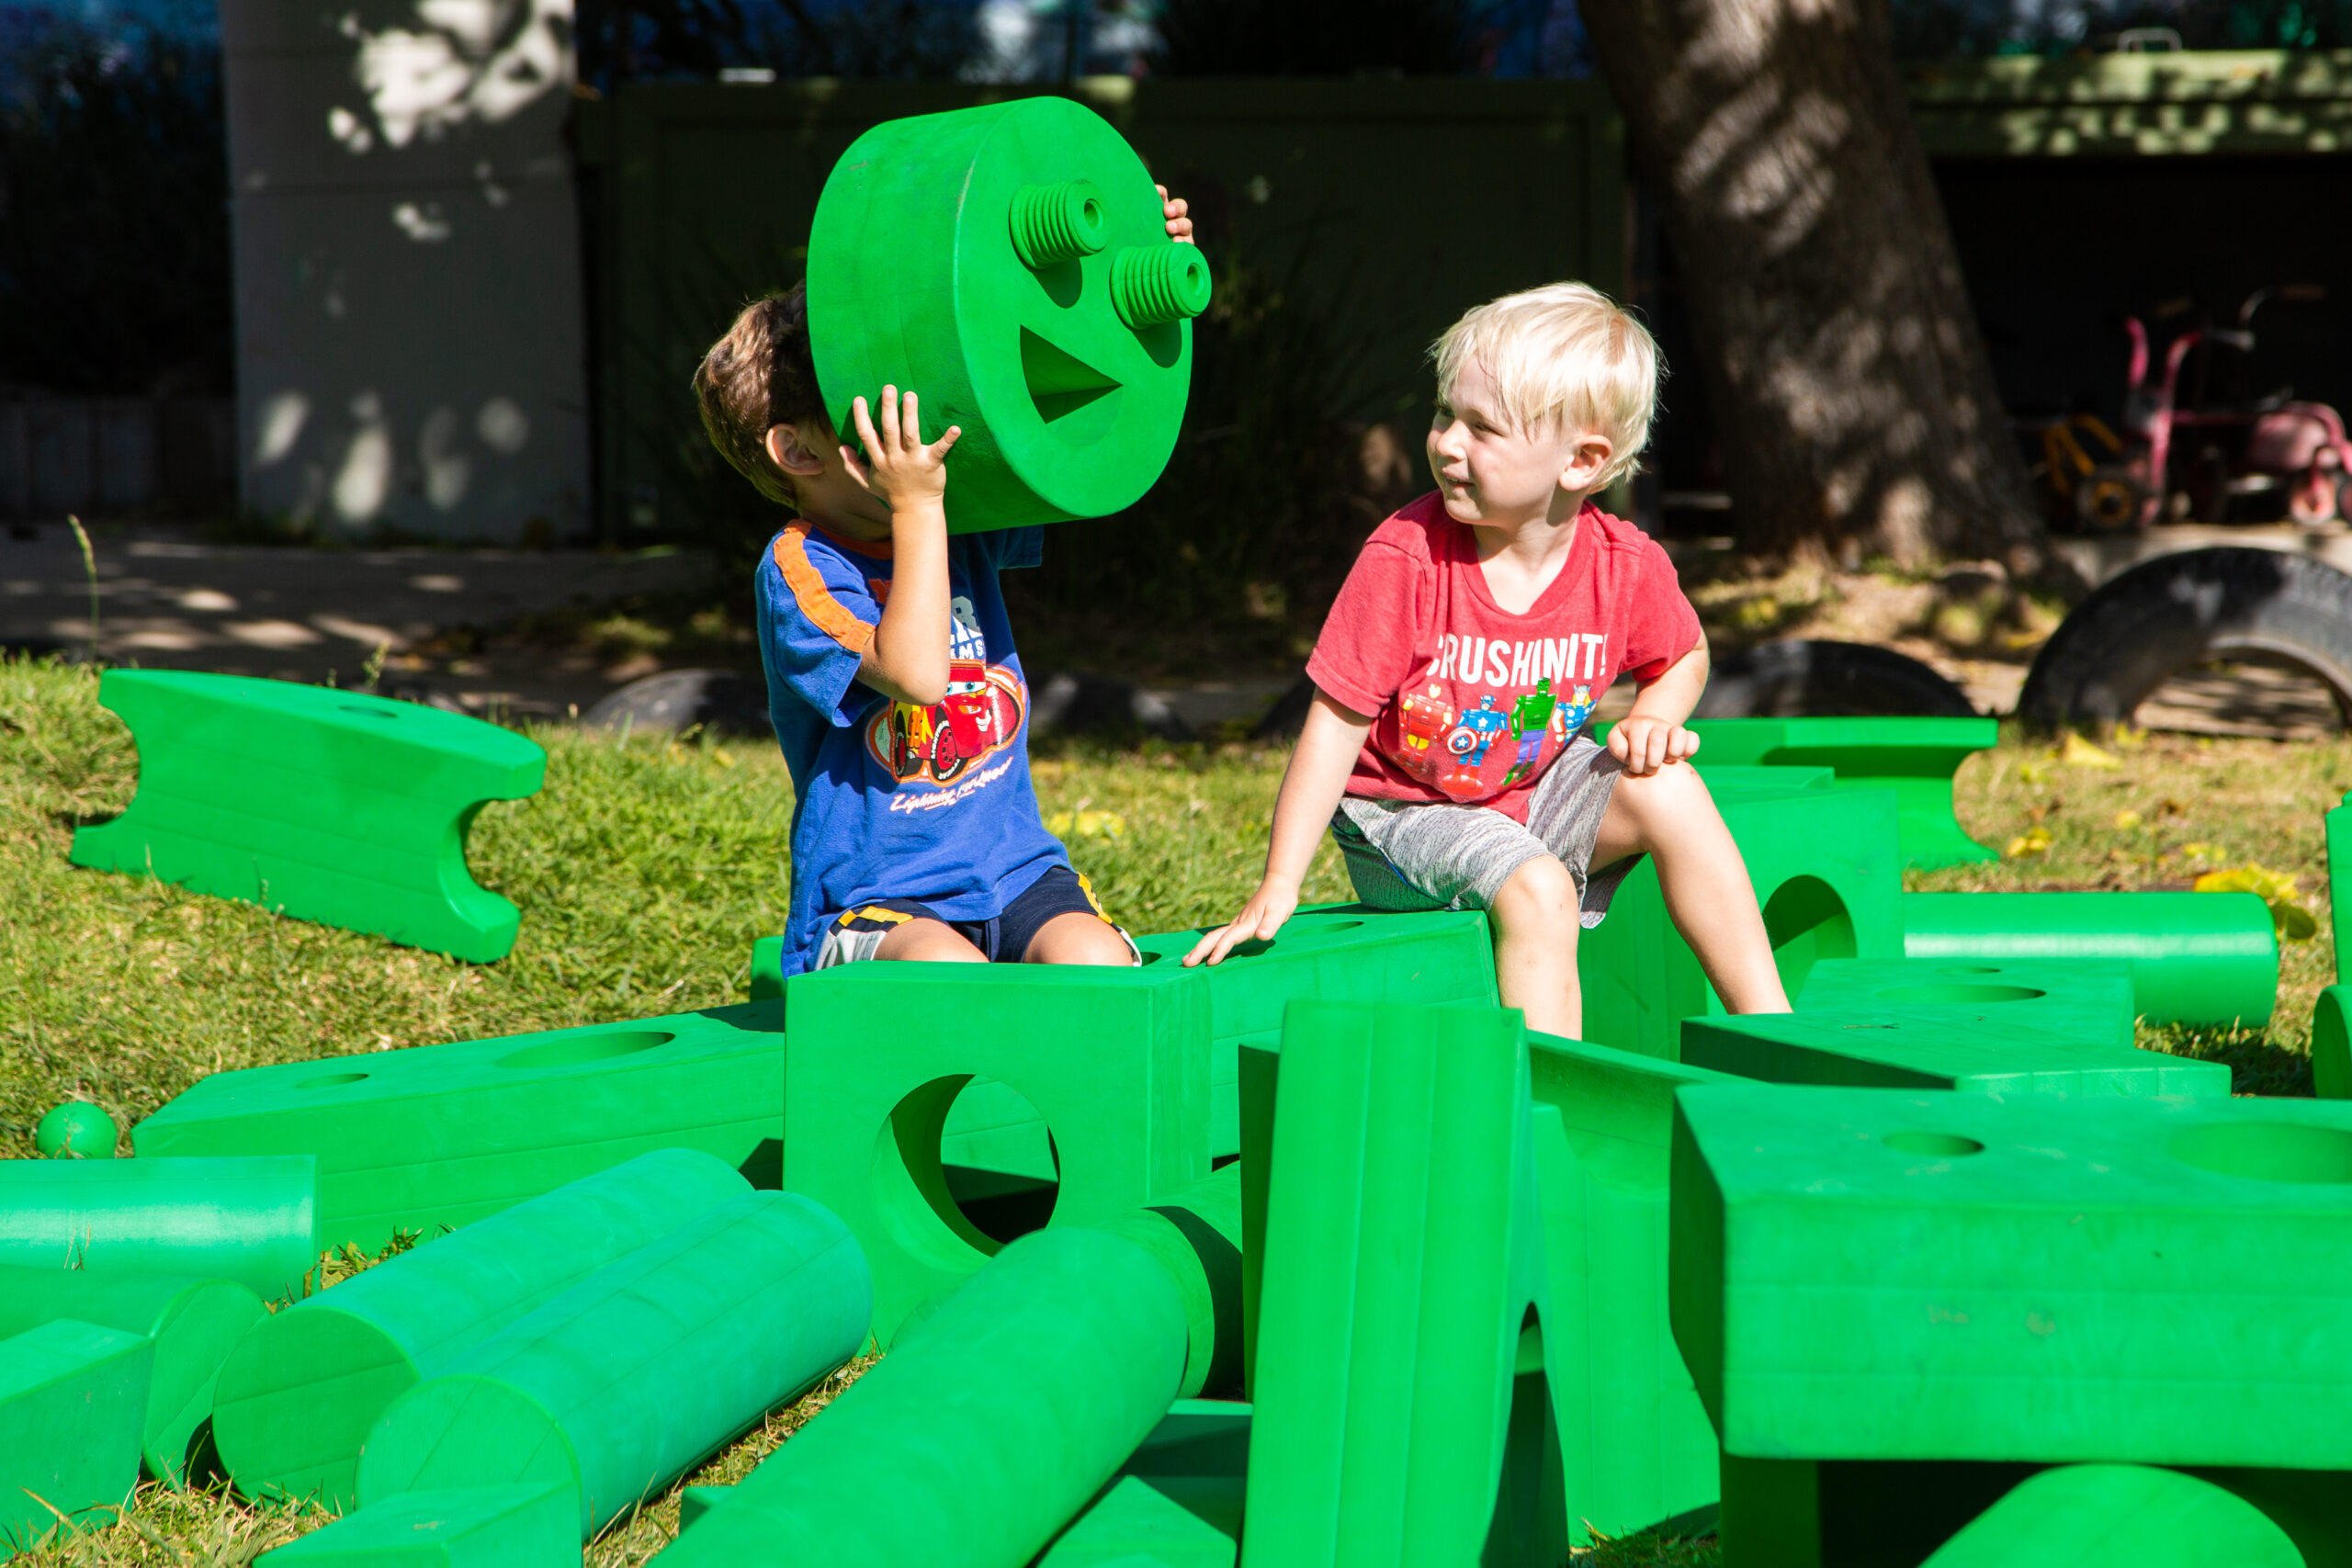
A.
pixel 2109 498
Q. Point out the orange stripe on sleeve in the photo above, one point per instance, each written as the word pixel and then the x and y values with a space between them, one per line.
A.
pixel 830 615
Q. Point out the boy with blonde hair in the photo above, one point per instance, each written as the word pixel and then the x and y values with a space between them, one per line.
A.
pixel 1462 657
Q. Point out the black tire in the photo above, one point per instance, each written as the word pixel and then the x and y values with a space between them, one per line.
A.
pixel 1803 677
pixel 716 699
pixel 2146 624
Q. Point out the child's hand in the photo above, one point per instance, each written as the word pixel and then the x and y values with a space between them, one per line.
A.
pixel 1645 745
pixel 1259 920
pixel 1180 222
pixel 899 468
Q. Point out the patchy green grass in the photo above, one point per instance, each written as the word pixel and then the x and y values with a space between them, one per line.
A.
pixel 646 869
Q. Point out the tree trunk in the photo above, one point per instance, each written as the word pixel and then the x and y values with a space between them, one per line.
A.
pixel 1850 390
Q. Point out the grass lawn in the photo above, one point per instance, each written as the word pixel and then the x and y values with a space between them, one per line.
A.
pixel 646 869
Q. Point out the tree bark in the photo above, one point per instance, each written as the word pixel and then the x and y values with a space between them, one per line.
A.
pixel 1851 389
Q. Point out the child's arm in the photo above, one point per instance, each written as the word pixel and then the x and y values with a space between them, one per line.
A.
pixel 1652 735
pixel 907 660
pixel 1312 784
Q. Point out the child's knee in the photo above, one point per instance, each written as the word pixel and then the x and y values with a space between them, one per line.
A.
pixel 1540 898
pixel 1656 806
pixel 1080 939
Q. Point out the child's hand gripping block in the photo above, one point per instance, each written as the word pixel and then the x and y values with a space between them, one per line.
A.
pixel 334 807
pixel 300 1392
pixel 72 1395
pixel 441 1135
pixel 1010 265
pixel 1398 1369
pixel 471 1527
pixel 1827 875
pixel 1868 1283
pixel 1115 1062
pixel 194 1323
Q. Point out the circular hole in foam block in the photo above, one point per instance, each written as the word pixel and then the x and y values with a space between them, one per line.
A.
pixel 331 1080
pixel 2268 1151
pixel 574 1049
pixel 1963 995
pixel 1936 1146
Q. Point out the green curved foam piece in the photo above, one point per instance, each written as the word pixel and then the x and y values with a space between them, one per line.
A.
pixel 194 1323
pixel 1010 265
pixel 1115 1062
pixel 983 1431
pixel 1400 1411
pixel 299 1394
pixel 1828 872
pixel 2118 1515
pixel 72 1397
pixel 1914 756
pixel 334 806
pixel 254 1219
pixel 2205 958
pixel 474 1527
pixel 438 1136
pixel 613 1388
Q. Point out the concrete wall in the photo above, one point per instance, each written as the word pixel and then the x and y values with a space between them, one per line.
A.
pixel 410 336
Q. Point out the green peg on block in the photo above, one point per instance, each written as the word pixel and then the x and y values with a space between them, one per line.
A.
pixel 336 806
pixel 1010 265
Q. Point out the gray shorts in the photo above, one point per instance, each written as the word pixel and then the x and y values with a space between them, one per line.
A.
pixel 1415 855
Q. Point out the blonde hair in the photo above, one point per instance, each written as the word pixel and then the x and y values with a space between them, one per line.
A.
pixel 1560 355
pixel 758 376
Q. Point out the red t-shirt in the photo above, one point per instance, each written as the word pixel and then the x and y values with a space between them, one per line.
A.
pixel 1471 703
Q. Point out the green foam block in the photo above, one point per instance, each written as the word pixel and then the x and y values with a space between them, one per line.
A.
pixel 1010 264
pixel 194 1323
pixel 1400 1412
pixel 1873 1274
pixel 71 1399
pixel 2088 999
pixel 616 1387
pixel 254 1220
pixel 1115 1062
pixel 1177 1501
pixel 334 806
pixel 1915 758
pixel 442 1136
pixel 475 1526
pixel 2118 1515
pixel 984 1430
pixel 299 1394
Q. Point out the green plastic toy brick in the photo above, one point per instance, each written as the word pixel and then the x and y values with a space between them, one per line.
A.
pixel 194 1323
pixel 2331 1043
pixel 1010 265
pixel 474 1527
pixel 336 806
pixel 984 1430
pixel 1636 1448
pixel 442 1136
pixel 251 1219
pixel 2088 999
pixel 72 1398
pixel 1343 949
pixel 1890 1046
pixel 1874 1274
pixel 299 1394
pixel 613 1388
pixel 76 1130
pixel 1400 1408
pixel 1915 757
pixel 1827 875
pixel 2203 958
pixel 1116 1060
pixel 1178 1501
pixel 2119 1516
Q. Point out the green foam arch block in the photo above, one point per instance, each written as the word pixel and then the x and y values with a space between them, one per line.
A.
pixel 72 1398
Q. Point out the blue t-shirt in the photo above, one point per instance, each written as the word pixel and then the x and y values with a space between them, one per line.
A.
pixel 893 800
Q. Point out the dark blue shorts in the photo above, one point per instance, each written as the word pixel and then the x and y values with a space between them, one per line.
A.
pixel 853 935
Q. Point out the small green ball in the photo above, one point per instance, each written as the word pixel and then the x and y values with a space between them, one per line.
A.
pixel 76 1130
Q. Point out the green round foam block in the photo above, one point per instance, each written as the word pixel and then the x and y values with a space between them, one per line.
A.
pixel 77 1130
pixel 2118 1513
pixel 194 1325
pixel 1009 265
pixel 297 1396
pixel 617 1386
pixel 254 1219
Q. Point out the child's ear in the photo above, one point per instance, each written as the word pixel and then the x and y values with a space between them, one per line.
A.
pixel 790 449
pixel 1587 460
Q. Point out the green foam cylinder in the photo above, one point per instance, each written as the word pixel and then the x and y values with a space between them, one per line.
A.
pixel 194 1325
pixel 616 1387
pixel 982 1432
pixel 251 1219
pixel 2203 958
pixel 1196 1235
pixel 71 1397
pixel 2331 1043
pixel 297 1396
pixel 2118 1515
pixel 475 1526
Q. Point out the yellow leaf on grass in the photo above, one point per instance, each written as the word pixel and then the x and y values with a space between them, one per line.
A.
pixel 2080 753
pixel 2033 842
pixel 2275 888
pixel 2127 819
pixel 2128 738
pixel 1087 824
pixel 2032 772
